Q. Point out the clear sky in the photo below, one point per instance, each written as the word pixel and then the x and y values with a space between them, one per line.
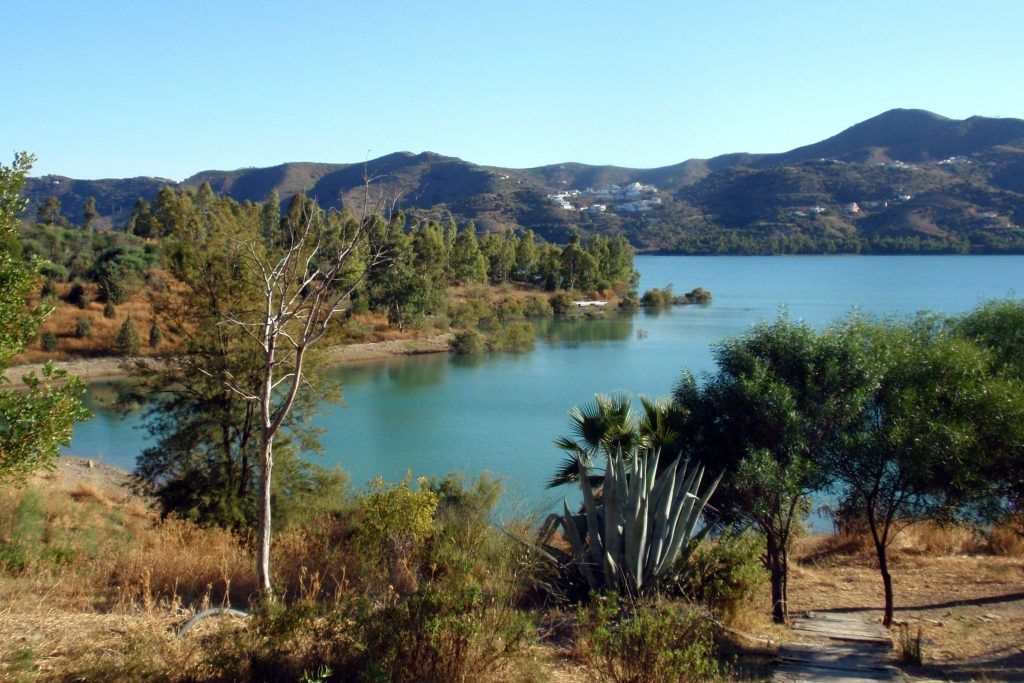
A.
pixel 111 89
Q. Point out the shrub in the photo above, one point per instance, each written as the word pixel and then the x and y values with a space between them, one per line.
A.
pixel 439 633
pixel 128 338
pixel 48 289
pixel 723 575
pixel 657 298
pixel 516 336
pixel 508 308
pixel 83 328
pixel 77 296
pixel 468 342
pixel 49 341
pixel 659 641
pixel 109 310
pixel 536 306
pixel 561 303
pixel 155 336
pixel 393 526
pixel 695 296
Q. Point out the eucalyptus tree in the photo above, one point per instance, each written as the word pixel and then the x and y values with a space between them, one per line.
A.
pixel 37 418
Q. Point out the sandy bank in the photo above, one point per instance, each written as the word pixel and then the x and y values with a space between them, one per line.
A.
pixel 96 369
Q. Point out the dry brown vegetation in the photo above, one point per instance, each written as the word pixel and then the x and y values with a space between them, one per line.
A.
pixel 104 601
pixel 963 589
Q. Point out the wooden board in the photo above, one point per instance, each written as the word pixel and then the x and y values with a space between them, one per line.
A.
pixel 842 648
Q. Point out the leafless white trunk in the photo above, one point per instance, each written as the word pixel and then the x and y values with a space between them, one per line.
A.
pixel 302 289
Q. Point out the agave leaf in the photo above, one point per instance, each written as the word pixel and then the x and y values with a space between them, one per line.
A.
pixel 578 550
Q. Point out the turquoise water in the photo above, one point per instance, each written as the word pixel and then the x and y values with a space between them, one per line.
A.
pixel 501 413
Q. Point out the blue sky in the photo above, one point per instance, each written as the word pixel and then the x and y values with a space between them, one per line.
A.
pixel 111 89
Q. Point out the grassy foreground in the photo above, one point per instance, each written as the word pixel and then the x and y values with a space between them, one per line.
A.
pixel 408 585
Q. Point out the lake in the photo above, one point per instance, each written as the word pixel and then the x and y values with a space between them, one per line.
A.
pixel 500 413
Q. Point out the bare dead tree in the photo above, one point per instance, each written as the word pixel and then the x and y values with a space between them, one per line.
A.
pixel 305 276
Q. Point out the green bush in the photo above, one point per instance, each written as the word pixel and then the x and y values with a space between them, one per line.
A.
pixel 641 643
pixel 440 633
pixel 109 310
pixel 394 524
pixel 49 341
pixel 155 336
pixel 723 575
pixel 516 336
pixel 536 306
pixel 657 298
pixel 128 338
pixel 561 303
pixel 508 308
pixel 468 342
pixel 83 328
pixel 77 296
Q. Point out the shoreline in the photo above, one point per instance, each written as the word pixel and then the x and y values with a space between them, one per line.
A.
pixel 112 368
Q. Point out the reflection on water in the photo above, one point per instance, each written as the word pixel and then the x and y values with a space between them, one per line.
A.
pixel 577 330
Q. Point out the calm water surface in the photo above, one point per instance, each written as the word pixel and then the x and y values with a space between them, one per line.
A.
pixel 437 414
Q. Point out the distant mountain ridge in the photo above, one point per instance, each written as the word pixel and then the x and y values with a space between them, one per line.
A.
pixel 762 194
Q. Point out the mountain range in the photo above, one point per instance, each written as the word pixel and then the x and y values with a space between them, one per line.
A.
pixel 905 180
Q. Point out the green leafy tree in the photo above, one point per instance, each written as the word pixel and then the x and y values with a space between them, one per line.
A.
pixel 933 409
pixel 526 256
pixel 500 252
pixel 997 326
pixel 89 213
pixel 36 419
pixel 468 264
pixel 780 398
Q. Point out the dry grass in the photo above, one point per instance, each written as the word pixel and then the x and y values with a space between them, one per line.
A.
pixel 102 339
pixel 963 590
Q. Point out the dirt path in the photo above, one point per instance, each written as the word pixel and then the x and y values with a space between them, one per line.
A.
pixel 839 648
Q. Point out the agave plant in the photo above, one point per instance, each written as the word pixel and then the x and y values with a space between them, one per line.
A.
pixel 630 538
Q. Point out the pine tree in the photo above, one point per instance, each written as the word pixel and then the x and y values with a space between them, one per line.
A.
pixel 128 338
pixel 49 211
pixel 155 336
pixel 89 213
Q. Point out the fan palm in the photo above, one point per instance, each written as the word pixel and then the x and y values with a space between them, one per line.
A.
pixel 608 425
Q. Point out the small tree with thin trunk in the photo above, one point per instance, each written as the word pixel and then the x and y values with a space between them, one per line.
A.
pixel 304 275
pixel 914 450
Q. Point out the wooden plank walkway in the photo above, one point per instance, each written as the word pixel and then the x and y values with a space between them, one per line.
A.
pixel 839 648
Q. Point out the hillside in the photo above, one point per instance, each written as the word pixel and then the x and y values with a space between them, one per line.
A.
pixel 920 181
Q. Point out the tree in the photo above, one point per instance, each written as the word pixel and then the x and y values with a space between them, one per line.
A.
pixel 89 213
pixel 303 277
pixel 128 338
pixel 204 464
pixel 526 256
pixel 781 396
pixel 49 211
pixel 36 419
pixel 468 264
pixel 913 452
pixel 996 326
